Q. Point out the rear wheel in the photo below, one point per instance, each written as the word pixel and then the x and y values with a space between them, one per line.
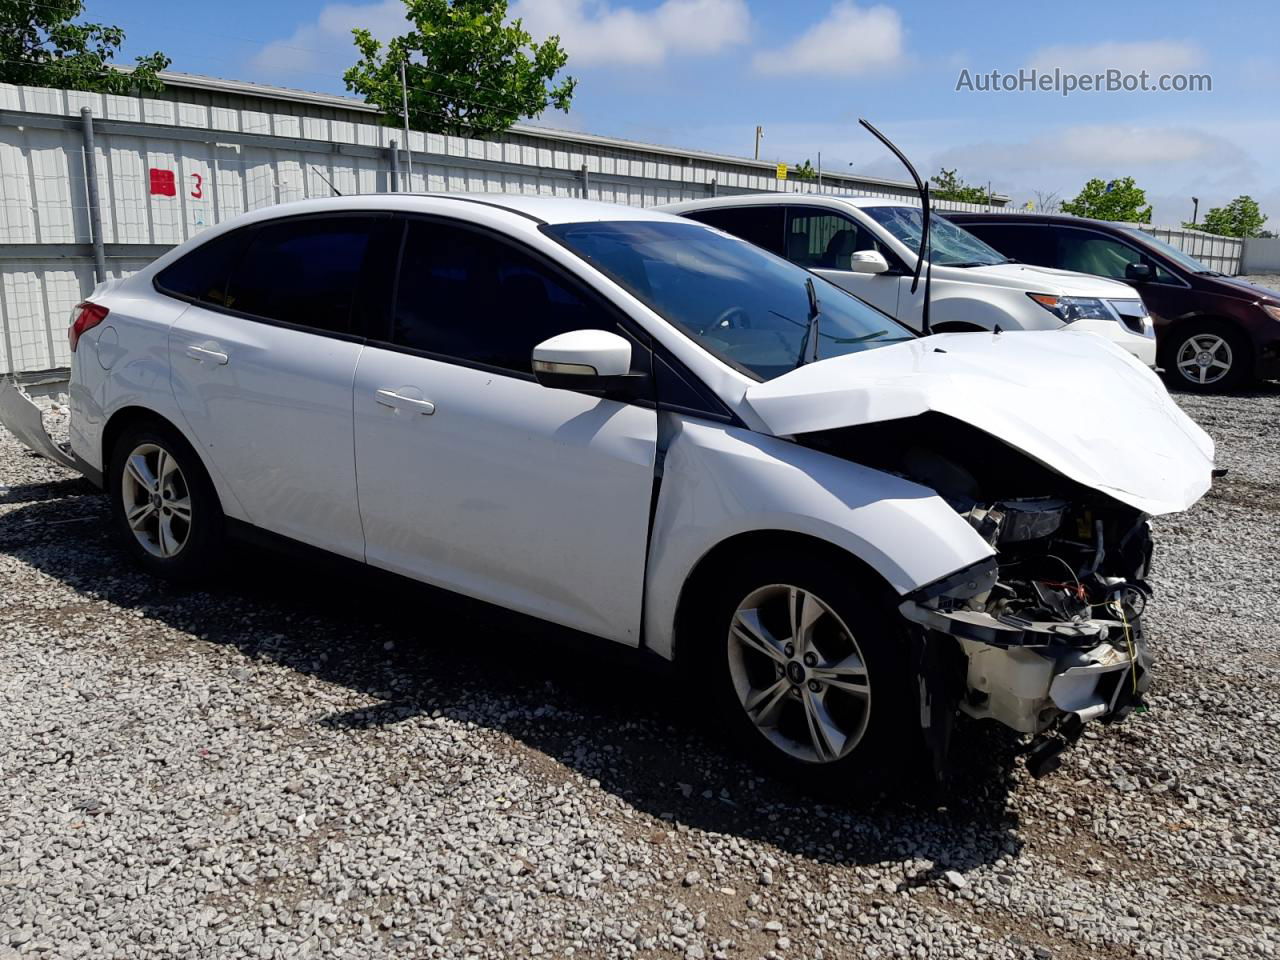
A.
pixel 1206 357
pixel 806 668
pixel 165 509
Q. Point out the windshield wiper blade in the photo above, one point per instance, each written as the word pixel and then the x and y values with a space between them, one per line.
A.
pixel 862 339
pixel 809 343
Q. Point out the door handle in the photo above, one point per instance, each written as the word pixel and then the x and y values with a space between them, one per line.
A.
pixel 203 353
pixel 397 401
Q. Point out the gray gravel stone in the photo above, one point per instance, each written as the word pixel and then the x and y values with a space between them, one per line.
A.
pixel 296 761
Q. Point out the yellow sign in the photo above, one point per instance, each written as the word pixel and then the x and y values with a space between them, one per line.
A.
pixel 782 171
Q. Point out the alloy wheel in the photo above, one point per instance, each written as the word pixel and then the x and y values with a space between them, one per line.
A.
pixel 157 500
pixel 1204 359
pixel 799 673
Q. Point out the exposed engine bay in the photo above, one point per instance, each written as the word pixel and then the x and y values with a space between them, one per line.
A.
pixel 1050 628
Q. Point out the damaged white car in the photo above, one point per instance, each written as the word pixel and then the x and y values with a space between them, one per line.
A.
pixel 641 428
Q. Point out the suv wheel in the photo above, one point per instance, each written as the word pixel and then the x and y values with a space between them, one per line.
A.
pixel 1206 357
pixel 806 669
pixel 163 504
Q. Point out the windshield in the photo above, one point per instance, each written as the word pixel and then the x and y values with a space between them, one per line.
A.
pixel 742 304
pixel 1184 260
pixel 950 245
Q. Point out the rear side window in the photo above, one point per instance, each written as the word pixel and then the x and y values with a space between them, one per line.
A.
pixel 202 274
pixel 303 272
pixel 1026 242
pixel 825 240
pixel 468 296
pixel 759 225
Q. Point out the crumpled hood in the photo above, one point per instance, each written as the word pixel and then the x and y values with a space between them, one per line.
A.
pixel 1076 403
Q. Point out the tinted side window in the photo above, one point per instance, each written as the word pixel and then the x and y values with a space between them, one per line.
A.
pixel 759 225
pixel 1087 252
pixel 825 240
pixel 303 271
pixel 1027 242
pixel 202 274
pixel 469 296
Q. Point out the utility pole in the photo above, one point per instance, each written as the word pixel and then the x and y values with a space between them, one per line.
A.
pixel 408 151
pixel 819 171
pixel 759 136
pixel 1195 209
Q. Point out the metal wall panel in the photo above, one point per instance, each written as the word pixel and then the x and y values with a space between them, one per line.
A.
pixel 230 153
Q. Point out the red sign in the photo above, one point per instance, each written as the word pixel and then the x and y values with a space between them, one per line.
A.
pixel 162 183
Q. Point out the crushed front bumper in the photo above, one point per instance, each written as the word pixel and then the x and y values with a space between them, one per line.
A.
pixel 1033 676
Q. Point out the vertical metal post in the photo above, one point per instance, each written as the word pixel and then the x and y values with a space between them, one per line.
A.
pixel 394 185
pixel 819 171
pixel 408 151
pixel 713 185
pixel 584 181
pixel 91 187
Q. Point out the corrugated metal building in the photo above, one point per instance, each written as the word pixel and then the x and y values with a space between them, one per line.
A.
pixel 206 149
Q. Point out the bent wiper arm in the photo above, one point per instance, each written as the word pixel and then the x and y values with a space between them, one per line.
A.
pixel 924 226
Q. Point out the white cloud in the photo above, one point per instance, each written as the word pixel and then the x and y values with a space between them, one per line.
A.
pixel 594 33
pixel 1154 56
pixel 849 41
pixel 325 46
pixel 1102 150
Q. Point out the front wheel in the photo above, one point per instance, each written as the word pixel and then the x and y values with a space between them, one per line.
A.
pixel 1206 357
pixel 808 670
pixel 165 510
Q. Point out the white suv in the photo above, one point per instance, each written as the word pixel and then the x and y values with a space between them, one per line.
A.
pixel 642 428
pixel 870 246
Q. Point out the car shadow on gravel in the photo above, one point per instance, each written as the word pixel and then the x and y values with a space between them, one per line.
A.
pixel 610 714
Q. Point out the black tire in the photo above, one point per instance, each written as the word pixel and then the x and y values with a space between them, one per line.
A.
pixel 890 750
pixel 201 537
pixel 1179 345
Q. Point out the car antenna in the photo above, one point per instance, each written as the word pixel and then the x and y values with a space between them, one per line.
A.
pixel 923 187
pixel 336 191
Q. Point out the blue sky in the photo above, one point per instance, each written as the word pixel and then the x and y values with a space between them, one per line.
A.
pixel 703 73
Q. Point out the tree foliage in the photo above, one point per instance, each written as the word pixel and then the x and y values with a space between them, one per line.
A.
pixel 468 70
pixel 40 46
pixel 1239 218
pixel 948 186
pixel 1119 199
pixel 804 171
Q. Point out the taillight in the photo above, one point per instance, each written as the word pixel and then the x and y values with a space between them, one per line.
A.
pixel 84 318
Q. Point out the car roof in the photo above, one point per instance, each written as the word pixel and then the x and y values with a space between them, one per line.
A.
pixel 789 199
pixel 996 216
pixel 538 208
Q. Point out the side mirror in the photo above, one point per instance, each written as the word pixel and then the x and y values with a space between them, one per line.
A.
pixel 592 361
pixel 1139 272
pixel 868 261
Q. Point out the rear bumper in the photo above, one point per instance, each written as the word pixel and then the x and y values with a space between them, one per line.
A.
pixel 22 418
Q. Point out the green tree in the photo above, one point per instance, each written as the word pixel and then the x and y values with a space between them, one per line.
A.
pixel 468 70
pixel 40 46
pixel 1117 200
pixel 1239 218
pixel 804 171
pixel 948 186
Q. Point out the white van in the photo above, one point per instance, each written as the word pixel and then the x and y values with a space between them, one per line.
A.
pixel 869 247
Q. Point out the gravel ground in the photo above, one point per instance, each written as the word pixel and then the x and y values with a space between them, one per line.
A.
pixel 303 760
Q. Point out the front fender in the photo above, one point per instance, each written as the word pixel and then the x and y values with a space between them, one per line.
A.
pixel 719 482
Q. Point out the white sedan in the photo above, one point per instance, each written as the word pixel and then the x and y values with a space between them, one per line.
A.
pixel 639 427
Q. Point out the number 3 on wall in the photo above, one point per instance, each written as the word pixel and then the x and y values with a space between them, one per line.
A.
pixel 198 192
